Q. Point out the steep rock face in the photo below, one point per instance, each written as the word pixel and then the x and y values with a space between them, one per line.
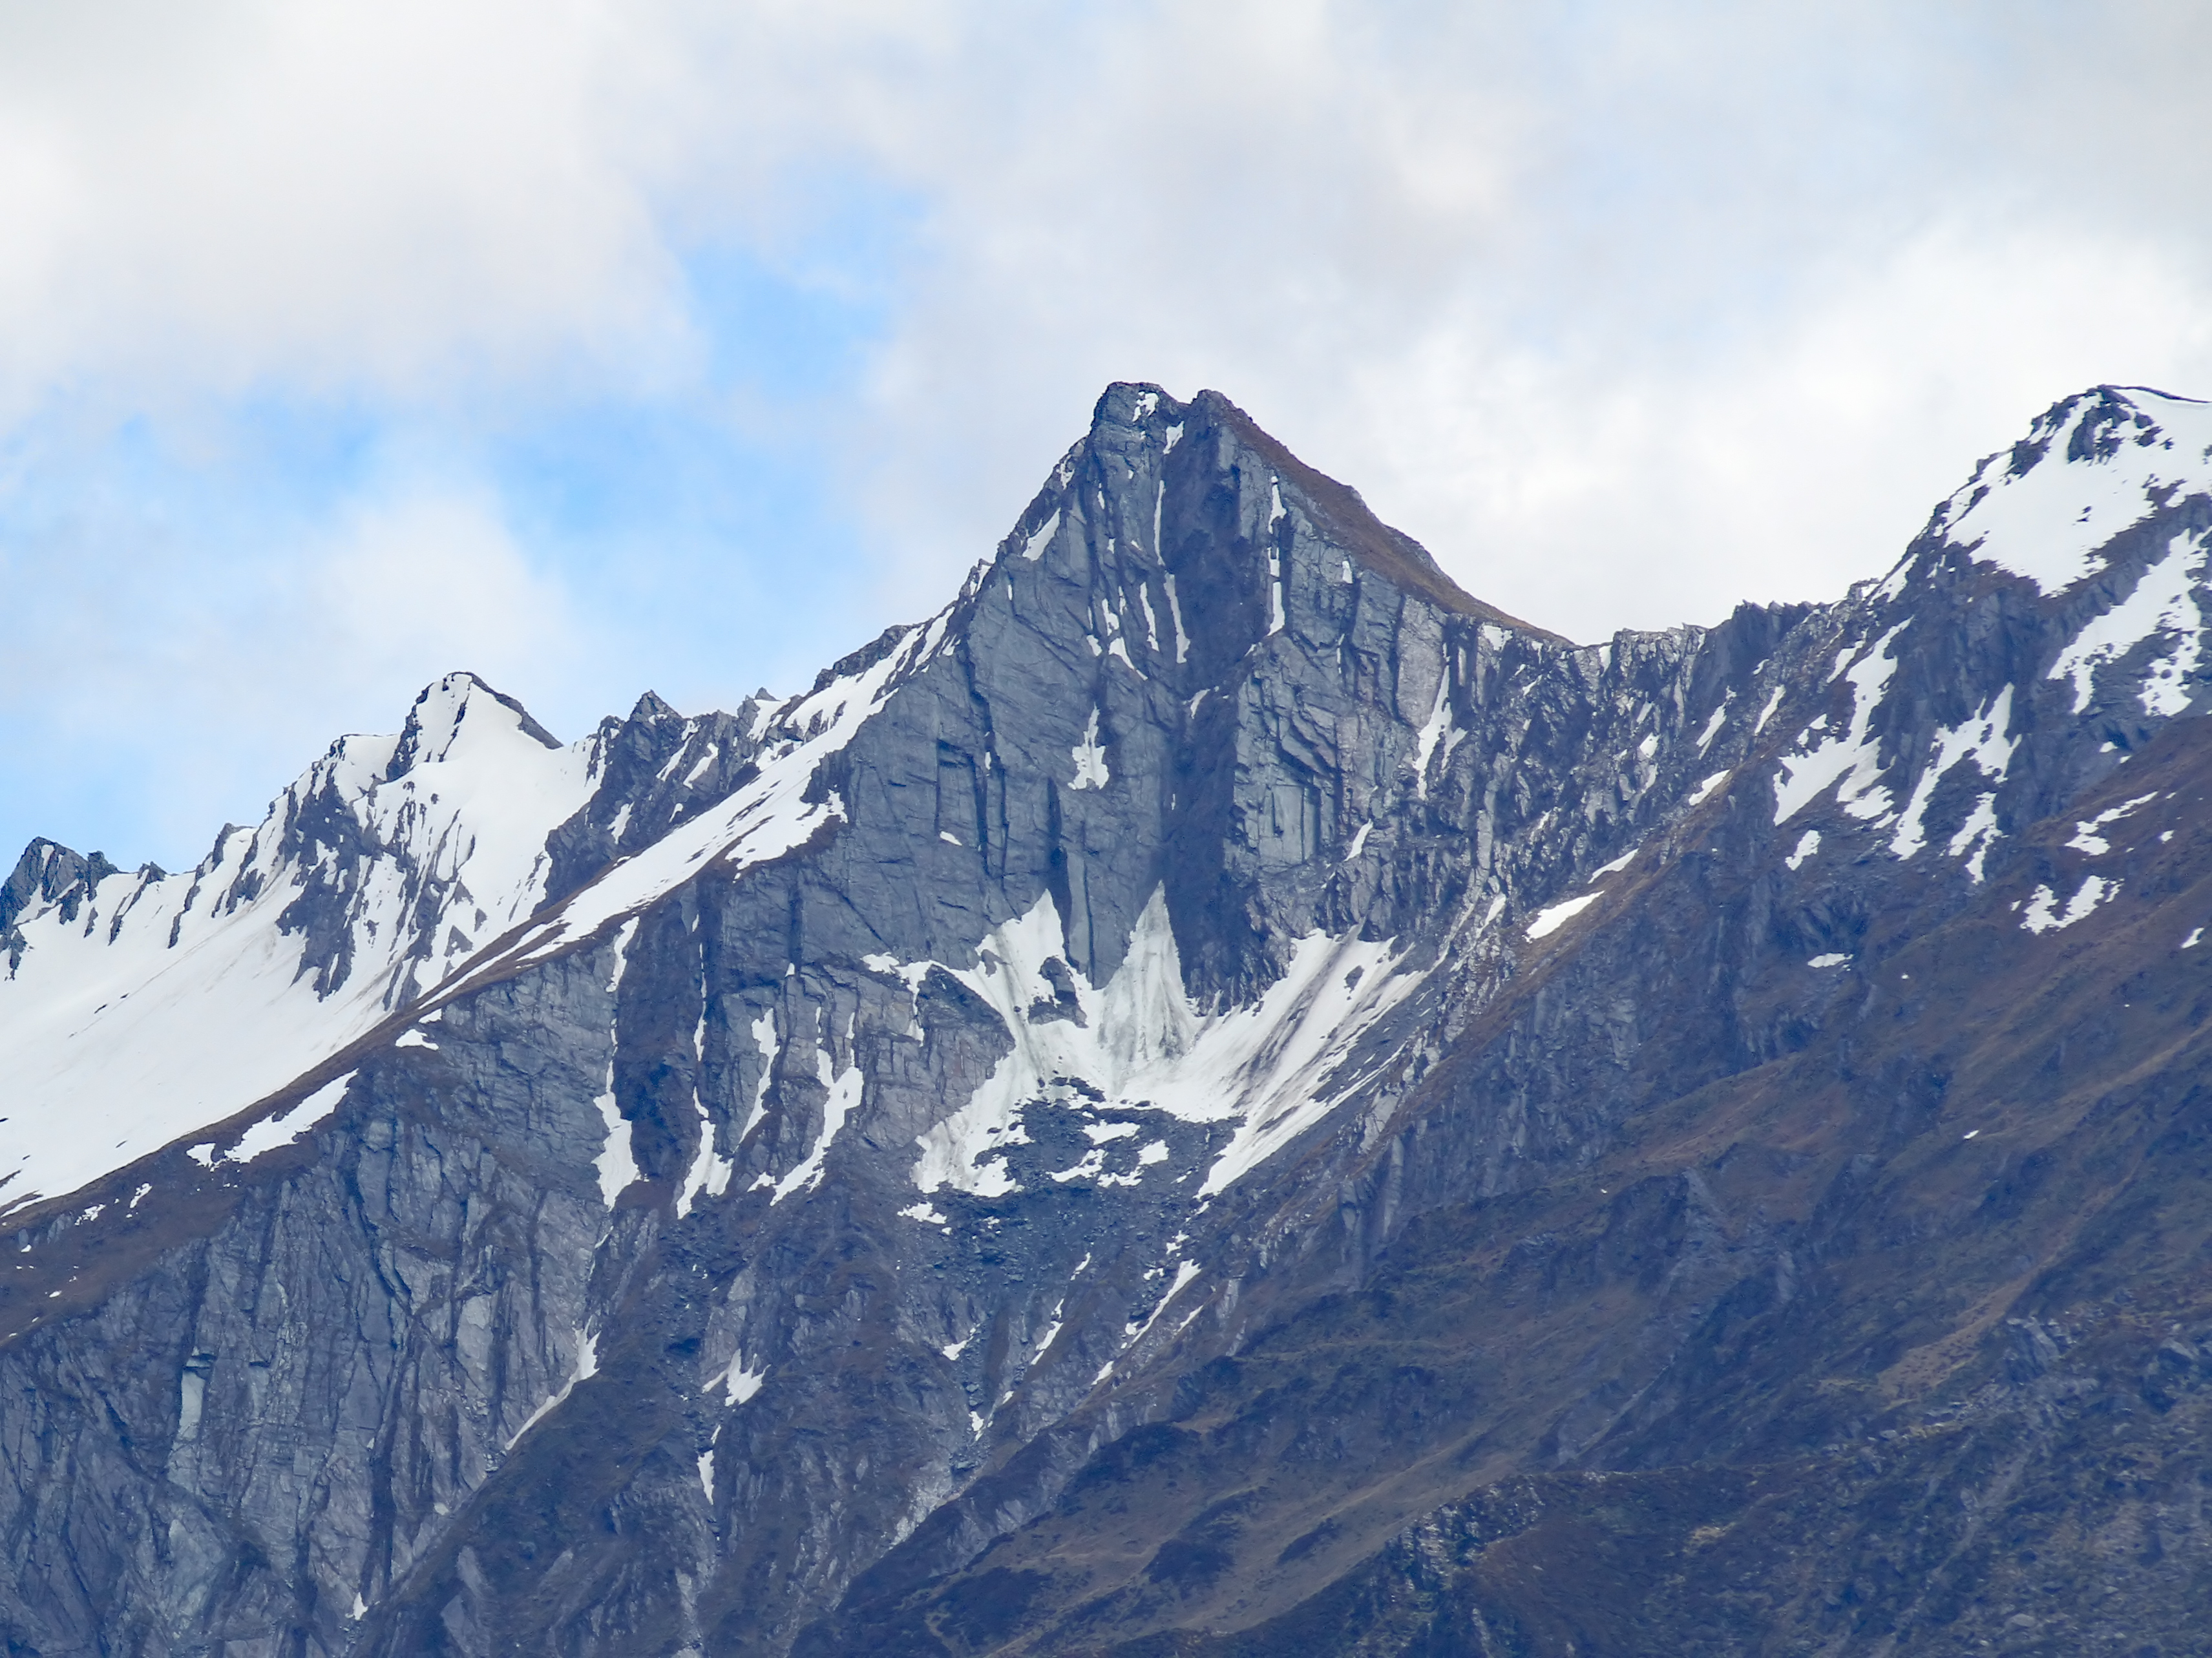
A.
pixel 1217 1065
pixel 48 877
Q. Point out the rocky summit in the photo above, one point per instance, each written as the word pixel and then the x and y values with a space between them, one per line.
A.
pixel 1218 1096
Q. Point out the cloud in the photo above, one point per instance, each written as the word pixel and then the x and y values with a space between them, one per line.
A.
pixel 1629 314
pixel 1592 492
pixel 176 687
pixel 407 589
pixel 211 196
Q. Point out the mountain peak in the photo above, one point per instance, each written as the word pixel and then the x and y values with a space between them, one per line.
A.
pixel 444 709
pixel 2092 467
pixel 49 873
pixel 652 707
pixel 1148 412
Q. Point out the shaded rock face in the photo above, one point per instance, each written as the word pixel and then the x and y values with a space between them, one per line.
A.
pixel 48 875
pixel 1218 1095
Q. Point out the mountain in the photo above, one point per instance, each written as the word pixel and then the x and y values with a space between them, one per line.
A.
pixel 1218 1095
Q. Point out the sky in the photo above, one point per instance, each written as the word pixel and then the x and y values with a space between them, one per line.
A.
pixel 598 347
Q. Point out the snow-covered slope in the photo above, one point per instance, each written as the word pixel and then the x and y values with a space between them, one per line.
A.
pixel 138 1007
pixel 2090 468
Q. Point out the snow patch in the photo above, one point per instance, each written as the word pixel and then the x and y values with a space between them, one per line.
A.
pixel 1850 761
pixel 1431 730
pixel 617 1168
pixel 2043 914
pixel 1185 1272
pixel 2049 522
pixel 2088 837
pixel 1033 549
pixel 1052 1330
pixel 1977 835
pixel 1174 614
pixel 1275 1066
pixel 738 1383
pixel 2164 602
pixel 1981 739
pixel 765 1044
pixel 1089 756
pixel 287 1127
pixel 844 1094
pixel 1617 864
pixel 709 1173
pixel 587 1365
pixel 1549 920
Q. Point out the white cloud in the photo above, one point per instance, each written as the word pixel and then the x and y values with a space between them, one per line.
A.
pixel 208 196
pixel 1590 493
pixel 206 682
pixel 1629 316
pixel 411 588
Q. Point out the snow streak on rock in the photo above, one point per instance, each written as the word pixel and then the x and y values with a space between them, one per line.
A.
pixel 2164 606
pixel 1849 759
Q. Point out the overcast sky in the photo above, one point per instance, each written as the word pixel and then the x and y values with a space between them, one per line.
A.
pixel 597 346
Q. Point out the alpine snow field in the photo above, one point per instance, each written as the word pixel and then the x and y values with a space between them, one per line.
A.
pixel 1219 1097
